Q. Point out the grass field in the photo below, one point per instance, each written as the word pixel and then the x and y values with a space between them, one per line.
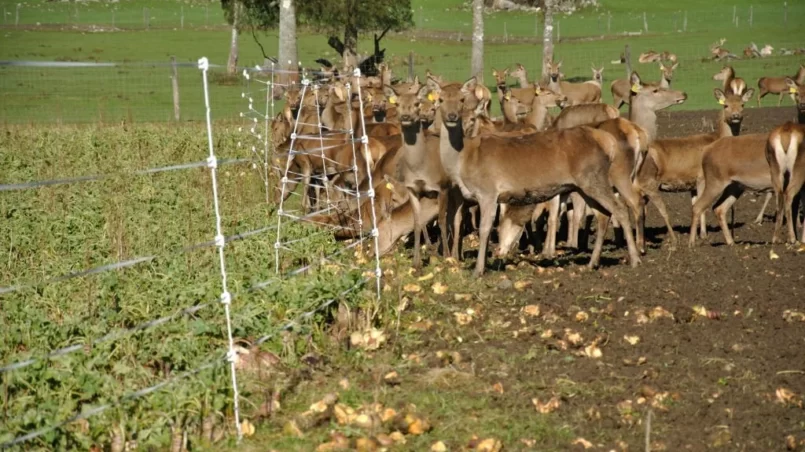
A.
pixel 166 218
pixel 141 89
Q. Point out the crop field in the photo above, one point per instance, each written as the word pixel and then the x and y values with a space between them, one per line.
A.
pixel 114 333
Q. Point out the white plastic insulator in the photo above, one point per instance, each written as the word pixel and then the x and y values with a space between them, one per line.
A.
pixel 357 72
pixel 243 95
pixel 378 273
pixel 305 82
pixel 276 245
pixel 365 139
pixel 203 63
pixel 226 298
pixel 293 136
pixel 284 180
pixel 375 232
pixel 212 162
pixel 232 356
pixel 371 193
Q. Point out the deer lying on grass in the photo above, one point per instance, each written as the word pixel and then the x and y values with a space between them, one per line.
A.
pixel 785 152
pixel 527 169
pixel 778 85
pixel 577 93
pixel 621 88
pixel 651 56
pixel 718 52
pixel 673 164
pixel 731 83
pixel 729 166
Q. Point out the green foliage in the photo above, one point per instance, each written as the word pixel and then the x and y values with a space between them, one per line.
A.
pixel 60 229
pixel 363 15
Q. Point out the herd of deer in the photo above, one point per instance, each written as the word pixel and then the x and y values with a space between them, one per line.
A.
pixel 432 152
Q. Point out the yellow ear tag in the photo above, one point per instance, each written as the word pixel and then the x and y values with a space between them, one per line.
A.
pixel 393 100
pixel 721 101
pixel 507 96
pixel 537 90
pixel 431 97
pixel 368 97
pixel 390 186
pixel 635 88
pixel 792 90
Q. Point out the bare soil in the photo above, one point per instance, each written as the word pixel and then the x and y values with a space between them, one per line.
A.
pixel 703 339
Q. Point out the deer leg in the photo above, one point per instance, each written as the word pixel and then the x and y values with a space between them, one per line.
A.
pixel 576 218
pixel 549 250
pixel 721 214
pixel 627 191
pixel 654 197
pixel 780 99
pixel 415 207
pixel 759 219
pixel 694 196
pixel 488 209
pixel 457 215
pixel 795 183
pixel 444 198
pixel 600 196
pixel 712 191
pixel 778 221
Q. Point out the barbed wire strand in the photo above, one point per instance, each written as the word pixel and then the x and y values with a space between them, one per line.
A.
pixel 97 177
pixel 226 298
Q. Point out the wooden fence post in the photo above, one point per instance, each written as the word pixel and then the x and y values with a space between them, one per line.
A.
pixel 734 10
pixel 113 18
pixel 785 13
pixel 411 66
pixel 685 22
pixel 505 33
pixel 645 22
pixel 751 15
pixel 17 16
pixel 627 56
pixel 609 23
pixel 175 86
pixel 182 18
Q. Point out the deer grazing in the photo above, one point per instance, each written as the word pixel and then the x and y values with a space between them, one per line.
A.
pixel 577 93
pixel 778 85
pixel 785 152
pixel 527 169
pixel 621 88
pixel 731 84
pixel 673 164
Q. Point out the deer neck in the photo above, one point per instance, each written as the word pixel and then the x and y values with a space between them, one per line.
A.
pixel 800 77
pixel 328 115
pixel 645 117
pixel 522 80
pixel 537 116
pixel 665 83
pixel 727 129
pixel 413 135
pixel 555 86
pixel 510 111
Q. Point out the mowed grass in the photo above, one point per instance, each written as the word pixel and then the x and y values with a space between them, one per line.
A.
pixel 141 89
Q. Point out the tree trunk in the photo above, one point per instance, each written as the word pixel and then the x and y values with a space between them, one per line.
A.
pixel 547 40
pixel 350 45
pixel 478 40
pixel 232 63
pixel 288 59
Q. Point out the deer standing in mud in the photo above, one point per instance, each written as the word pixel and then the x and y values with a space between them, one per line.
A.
pixel 528 169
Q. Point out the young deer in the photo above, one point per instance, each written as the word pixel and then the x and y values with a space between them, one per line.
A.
pixel 526 169
pixel 621 88
pixel 673 164
pixel 785 152
pixel 778 85
pixel 731 83
pixel 577 93
pixel 520 74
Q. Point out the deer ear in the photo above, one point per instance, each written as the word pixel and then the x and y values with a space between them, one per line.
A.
pixel 637 84
pixel 719 95
pixel 433 84
pixel 469 85
pixel 674 66
pixel 390 93
pixel 286 112
pixel 506 72
pixel 494 72
pixel 748 95
pixel 558 65
pixel 416 80
pixel 424 93
pixel 792 86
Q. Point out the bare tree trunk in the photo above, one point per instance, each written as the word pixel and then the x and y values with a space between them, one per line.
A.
pixel 232 64
pixel 478 40
pixel 287 52
pixel 547 40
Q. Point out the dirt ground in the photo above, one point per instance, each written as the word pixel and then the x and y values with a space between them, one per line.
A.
pixel 710 341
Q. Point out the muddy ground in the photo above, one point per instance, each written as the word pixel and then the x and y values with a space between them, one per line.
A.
pixel 709 340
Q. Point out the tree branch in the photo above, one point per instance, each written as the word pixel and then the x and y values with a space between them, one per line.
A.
pixel 336 44
pixel 377 40
pixel 262 50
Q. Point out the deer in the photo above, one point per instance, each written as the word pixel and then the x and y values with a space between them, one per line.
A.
pixel 420 167
pixel 777 85
pixel 797 89
pixel 656 57
pixel 673 164
pixel 577 93
pixel 731 83
pixel 521 75
pixel 729 166
pixel 718 52
pixel 621 88
pixel 785 153
pixel 526 169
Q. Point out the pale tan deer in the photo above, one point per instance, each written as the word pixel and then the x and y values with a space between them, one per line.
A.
pixel 674 164
pixel 420 167
pixel 729 166
pixel 730 83
pixel 785 152
pixel 656 57
pixel 526 169
pixel 577 93
pixel 778 85
pixel 521 75
pixel 621 88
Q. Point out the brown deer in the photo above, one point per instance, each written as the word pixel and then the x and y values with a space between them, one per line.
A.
pixel 526 169
pixel 400 222
pixel 621 88
pixel 778 85
pixel 656 57
pixel 729 166
pixel 673 164
pixel 718 52
pixel 785 152
pixel 521 75
pixel 797 89
pixel 419 167
pixel 731 83
pixel 577 93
